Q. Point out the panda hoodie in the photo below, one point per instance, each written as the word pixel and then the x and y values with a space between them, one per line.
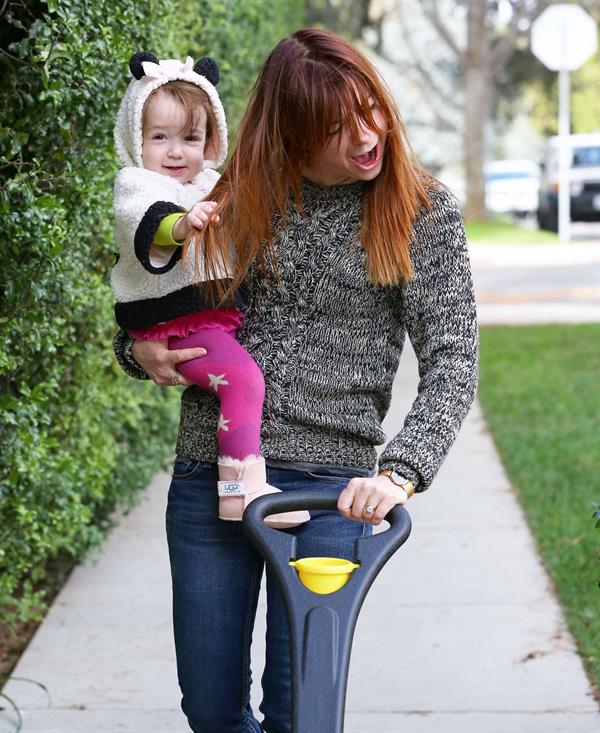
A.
pixel 150 283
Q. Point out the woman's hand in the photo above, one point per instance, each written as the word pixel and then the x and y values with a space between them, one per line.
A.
pixel 159 362
pixel 376 493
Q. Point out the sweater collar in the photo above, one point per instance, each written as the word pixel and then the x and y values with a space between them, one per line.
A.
pixel 315 196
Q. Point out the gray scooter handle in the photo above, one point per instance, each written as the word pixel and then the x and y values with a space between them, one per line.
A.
pixel 321 626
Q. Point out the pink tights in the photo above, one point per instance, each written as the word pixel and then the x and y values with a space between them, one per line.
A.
pixel 229 372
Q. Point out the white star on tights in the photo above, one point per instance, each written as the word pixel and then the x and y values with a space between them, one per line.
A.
pixel 216 380
pixel 223 423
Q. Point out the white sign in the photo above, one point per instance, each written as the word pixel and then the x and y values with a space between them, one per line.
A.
pixel 564 37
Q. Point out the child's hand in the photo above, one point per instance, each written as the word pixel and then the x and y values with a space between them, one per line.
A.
pixel 196 218
pixel 200 214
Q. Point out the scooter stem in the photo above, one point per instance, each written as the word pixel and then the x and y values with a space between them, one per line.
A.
pixel 321 626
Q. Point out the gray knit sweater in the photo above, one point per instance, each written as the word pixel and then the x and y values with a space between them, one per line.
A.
pixel 329 342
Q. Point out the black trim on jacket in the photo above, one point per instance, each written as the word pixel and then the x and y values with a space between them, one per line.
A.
pixel 190 299
pixel 144 235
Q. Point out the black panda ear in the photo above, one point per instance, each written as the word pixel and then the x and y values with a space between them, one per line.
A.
pixel 209 68
pixel 135 62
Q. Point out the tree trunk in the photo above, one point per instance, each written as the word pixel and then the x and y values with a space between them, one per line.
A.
pixel 348 17
pixel 478 86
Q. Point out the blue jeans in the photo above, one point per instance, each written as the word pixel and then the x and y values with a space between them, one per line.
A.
pixel 216 576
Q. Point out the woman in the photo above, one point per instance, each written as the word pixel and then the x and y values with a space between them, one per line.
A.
pixel 343 245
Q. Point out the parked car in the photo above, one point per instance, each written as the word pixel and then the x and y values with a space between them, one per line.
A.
pixel 584 181
pixel 512 187
pixel 456 184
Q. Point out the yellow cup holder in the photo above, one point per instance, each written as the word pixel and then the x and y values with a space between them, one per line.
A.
pixel 324 574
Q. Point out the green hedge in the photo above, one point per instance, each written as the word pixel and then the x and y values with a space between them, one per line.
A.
pixel 78 437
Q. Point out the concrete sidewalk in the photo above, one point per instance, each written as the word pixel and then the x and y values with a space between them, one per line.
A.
pixel 461 632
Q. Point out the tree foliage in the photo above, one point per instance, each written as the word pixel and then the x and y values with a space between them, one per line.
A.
pixel 78 437
pixel 461 68
pixel 239 34
pixel 525 84
pixel 541 97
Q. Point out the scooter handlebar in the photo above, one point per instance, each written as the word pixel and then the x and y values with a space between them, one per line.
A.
pixel 288 501
pixel 272 541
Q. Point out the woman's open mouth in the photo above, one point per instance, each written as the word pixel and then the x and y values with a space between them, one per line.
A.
pixel 369 159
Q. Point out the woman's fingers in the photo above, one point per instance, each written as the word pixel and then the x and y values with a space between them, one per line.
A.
pixel 361 499
pixel 380 512
pixel 352 500
pixel 345 500
pixel 152 356
pixel 369 499
pixel 181 355
pixel 159 362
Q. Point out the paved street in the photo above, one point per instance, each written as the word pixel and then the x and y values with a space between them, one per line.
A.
pixel 537 283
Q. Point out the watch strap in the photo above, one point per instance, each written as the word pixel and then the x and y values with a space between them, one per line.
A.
pixel 407 485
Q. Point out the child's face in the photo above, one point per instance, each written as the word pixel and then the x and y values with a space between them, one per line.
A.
pixel 168 145
pixel 344 160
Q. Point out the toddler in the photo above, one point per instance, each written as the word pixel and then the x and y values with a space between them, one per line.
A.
pixel 170 134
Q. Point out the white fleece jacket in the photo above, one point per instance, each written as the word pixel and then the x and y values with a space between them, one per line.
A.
pixel 151 284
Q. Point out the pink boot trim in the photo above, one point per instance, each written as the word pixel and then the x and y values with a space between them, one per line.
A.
pixel 242 481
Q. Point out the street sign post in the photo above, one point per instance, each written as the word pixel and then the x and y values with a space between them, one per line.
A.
pixel 563 38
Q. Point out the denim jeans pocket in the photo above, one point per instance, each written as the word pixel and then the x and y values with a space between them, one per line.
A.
pixel 326 477
pixel 337 474
pixel 192 499
pixel 187 468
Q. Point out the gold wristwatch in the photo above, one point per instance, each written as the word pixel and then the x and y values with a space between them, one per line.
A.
pixel 400 481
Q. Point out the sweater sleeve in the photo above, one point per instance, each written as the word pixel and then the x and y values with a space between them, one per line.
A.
pixel 438 304
pixel 122 344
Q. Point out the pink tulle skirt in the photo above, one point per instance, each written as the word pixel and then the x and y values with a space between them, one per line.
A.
pixel 226 319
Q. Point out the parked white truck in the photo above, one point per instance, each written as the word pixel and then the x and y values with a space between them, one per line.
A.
pixel 584 181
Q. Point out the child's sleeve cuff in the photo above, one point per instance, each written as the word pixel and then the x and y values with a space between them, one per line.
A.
pixel 163 236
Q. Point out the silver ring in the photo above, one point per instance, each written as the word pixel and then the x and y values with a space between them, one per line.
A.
pixel 369 509
pixel 175 380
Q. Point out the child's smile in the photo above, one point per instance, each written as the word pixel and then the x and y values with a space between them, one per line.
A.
pixel 169 146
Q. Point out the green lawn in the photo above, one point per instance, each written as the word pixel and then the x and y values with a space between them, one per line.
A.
pixel 501 230
pixel 540 391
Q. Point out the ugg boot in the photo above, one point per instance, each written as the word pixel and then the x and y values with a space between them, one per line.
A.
pixel 240 482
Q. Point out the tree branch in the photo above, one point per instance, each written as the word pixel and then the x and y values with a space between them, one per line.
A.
pixel 447 99
pixel 442 122
pixel 430 11
pixel 504 48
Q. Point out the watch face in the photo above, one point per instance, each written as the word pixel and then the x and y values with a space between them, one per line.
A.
pixel 398 478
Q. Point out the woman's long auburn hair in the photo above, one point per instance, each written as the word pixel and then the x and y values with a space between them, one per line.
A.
pixel 311 81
